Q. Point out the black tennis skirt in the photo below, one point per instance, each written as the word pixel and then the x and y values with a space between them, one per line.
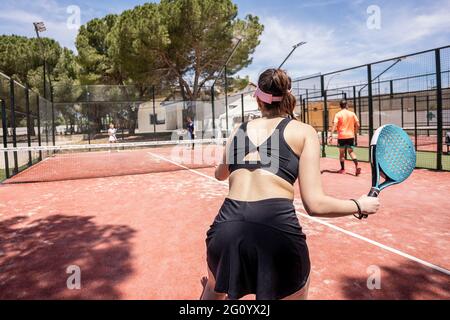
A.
pixel 258 248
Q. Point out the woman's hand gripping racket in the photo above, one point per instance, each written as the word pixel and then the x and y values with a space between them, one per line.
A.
pixel 393 158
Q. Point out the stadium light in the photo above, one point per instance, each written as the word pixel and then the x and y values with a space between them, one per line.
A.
pixel 292 51
pixel 39 27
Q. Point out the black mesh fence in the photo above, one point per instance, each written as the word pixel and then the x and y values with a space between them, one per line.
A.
pixel 26 120
pixel 412 92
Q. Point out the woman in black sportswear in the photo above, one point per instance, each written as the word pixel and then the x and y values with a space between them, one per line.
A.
pixel 256 244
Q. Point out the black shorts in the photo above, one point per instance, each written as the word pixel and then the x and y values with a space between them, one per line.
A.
pixel 258 248
pixel 346 143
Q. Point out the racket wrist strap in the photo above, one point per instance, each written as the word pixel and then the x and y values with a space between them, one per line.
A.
pixel 359 215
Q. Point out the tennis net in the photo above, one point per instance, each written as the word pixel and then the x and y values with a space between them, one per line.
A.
pixel 73 162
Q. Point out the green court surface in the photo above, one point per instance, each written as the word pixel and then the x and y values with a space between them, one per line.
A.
pixel 425 160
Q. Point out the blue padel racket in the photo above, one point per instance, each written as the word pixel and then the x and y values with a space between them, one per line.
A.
pixel 393 157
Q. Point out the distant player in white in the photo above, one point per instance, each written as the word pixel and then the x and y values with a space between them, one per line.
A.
pixel 112 134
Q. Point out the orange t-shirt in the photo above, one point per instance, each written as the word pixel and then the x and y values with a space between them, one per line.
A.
pixel 346 121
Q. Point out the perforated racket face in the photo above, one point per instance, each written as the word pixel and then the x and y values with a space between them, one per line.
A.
pixel 395 153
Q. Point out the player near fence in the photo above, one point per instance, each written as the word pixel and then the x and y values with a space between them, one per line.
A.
pixel 346 123
pixel 191 130
pixel 112 133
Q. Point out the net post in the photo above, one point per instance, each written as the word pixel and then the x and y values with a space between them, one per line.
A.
pixel 39 125
pixel 27 110
pixel 415 122
pixel 242 108
pixel 13 125
pixel 5 136
pixel 439 104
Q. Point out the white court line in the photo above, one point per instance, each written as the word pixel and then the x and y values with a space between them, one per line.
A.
pixel 329 225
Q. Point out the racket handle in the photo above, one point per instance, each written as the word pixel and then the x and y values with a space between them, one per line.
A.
pixel 374 193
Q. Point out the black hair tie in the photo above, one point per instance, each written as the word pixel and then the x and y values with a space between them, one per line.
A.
pixel 360 215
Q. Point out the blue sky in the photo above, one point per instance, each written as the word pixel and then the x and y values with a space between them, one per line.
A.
pixel 336 30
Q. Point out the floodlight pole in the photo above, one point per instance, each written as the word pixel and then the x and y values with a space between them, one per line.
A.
pixel 331 78
pixel 36 28
pixel 290 53
pixel 389 68
pixel 225 71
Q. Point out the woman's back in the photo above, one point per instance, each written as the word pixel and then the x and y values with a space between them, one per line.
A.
pixel 249 182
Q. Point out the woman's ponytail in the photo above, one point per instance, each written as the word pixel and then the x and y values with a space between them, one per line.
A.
pixel 277 83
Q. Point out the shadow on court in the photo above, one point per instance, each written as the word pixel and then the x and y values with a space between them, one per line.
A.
pixel 34 257
pixel 407 281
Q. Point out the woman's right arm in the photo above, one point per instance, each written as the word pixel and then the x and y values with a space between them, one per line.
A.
pixel 316 202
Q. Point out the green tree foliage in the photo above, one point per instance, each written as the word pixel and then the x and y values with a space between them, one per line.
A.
pixel 93 52
pixel 22 58
pixel 183 42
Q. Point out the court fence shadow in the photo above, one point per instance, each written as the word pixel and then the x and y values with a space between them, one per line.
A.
pixel 35 257
pixel 407 281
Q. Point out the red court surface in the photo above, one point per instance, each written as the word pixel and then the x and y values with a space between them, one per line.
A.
pixel 143 237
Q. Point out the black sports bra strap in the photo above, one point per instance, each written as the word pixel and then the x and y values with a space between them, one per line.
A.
pixel 283 124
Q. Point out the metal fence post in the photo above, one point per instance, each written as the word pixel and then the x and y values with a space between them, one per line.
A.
pixel 325 122
pixel 415 122
pixel 226 98
pixel 53 117
pixel 88 118
pixel 439 104
pixel 154 109
pixel 301 108
pixel 370 100
pixel 242 106
pixel 322 93
pixel 379 103
pixel 213 112
pixel 39 125
pixel 306 104
pixel 13 125
pixel 5 136
pixel 391 87
pixel 402 108
pixel 360 112
pixel 428 114
pixel 27 110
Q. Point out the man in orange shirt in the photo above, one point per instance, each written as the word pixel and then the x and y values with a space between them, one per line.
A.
pixel 347 124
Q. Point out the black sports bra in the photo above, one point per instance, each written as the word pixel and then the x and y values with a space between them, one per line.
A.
pixel 276 155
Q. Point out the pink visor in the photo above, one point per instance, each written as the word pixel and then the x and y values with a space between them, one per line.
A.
pixel 266 97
